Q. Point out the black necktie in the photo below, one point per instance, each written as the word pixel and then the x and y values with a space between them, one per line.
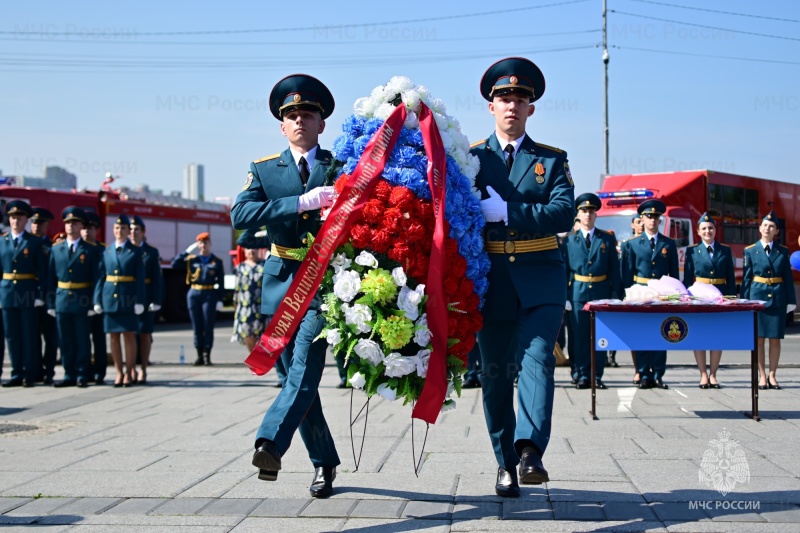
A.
pixel 710 250
pixel 766 249
pixel 119 249
pixel 304 173
pixel 509 149
pixel 652 243
pixel 16 242
pixel 71 249
pixel 588 241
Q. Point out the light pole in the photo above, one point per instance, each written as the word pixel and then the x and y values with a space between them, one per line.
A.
pixel 605 86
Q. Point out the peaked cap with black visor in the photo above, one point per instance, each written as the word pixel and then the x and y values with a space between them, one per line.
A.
pixel 300 91
pixel 513 75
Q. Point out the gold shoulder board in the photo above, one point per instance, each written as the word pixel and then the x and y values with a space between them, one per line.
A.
pixel 273 156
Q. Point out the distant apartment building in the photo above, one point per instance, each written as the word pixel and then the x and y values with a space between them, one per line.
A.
pixel 193 181
pixel 54 178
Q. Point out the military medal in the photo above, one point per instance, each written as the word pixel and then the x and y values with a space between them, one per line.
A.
pixel 663 251
pixel 82 257
pixel 25 252
pixel 538 168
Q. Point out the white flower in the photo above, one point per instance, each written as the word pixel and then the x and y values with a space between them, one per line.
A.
pixel 365 106
pixel 367 259
pixel 398 366
pixel 340 262
pixel 323 307
pixel 387 392
pixel 408 301
pixel 399 276
pixel 423 358
pixel 449 405
pixel 369 350
pixel 347 286
pixel 384 110
pixel 358 315
pixel 358 380
pixel 412 121
pixel 422 335
pixel 451 388
pixel 334 337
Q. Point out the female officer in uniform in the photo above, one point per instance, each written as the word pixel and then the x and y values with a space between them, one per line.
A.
pixel 204 275
pixel 709 262
pixel 121 295
pixel 768 277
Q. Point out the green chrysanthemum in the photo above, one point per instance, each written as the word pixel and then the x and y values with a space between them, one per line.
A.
pixel 396 332
pixel 379 284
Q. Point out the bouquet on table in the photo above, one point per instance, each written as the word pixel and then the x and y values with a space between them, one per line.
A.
pixel 374 292
pixel 668 289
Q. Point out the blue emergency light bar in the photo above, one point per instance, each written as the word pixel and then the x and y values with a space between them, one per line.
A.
pixel 633 193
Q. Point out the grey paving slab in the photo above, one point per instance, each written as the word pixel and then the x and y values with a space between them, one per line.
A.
pixel 780 512
pixel 730 527
pixel 145 529
pixel 289 525
pixel 594 491
pixel 527 510
pixel 577 511
pixel 428 510
pixel 286 507
pixel 396 526
pixel 230 506
pixel 135 506
pixel 477 511
pixel 334 508
pixel 628 511
pixel 155 523
pixel 378 509
pixel 182 506
pixel 87 506
pixel 40 506
pixel 675 511
pixel 548 526
pixel 7 504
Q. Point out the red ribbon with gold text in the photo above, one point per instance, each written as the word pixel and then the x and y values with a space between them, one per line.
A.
pixel 309 276
pixel 430 401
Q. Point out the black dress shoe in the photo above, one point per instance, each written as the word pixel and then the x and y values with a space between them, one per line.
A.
pixel 28 383
pixel 47 381
pixel 17 382
pixel 776 386
pixel 342 384
pixel 574 381
pixel 99 381
pixel 598 383
pixel 705 386
pixel 267 475
pixel 267 457
pixel 471 383
pixel 82 383
pixel 636 381
pixel 65 383
pixel 660 384
pixel 322 485
pixel 645 383
pixel 531 470
pixel 507 485
pixel 583 384
pixel 714 385
pixel 765 386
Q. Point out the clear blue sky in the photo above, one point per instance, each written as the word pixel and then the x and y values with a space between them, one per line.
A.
pixel 144 105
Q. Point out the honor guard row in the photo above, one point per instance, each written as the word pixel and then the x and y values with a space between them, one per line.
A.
pixel 74 282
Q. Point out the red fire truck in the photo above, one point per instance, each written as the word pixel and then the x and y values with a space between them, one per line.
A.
pixel 737 203
pixel 172 225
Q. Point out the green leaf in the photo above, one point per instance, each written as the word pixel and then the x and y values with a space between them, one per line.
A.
pixel 457 384
pixel 297 253
pixel 367 299
pixel 454 362
pixel 452 342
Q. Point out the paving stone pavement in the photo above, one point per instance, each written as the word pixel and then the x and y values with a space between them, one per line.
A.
pixel 175 456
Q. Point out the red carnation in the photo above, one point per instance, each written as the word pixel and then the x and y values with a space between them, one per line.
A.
pixel 415 232
pixel 381 240
pixel 340 183
pixel 382 191
pixel 360 233
pixel 373 211
pixel 392 219
pixel 402 198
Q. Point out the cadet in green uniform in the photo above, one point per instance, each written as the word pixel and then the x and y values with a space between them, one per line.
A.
pixel 528 199
pixel 650 256
pixel 154 287
pixel 24 262
pixel 285 192
pixel 593 273
pixel 74 272
pixel 768 277
pixel 709 262
pixel 47 340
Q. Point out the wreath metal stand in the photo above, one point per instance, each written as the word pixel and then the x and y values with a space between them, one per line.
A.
pixel 417 460
pixel 357 460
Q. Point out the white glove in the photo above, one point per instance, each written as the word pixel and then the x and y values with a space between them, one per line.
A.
pixel 568 306
pixel 153 307
pixel 261 233
pixel 98 309
pixel 138 309
pixel 91 312
pixel 192 247
pixel 316 198
pixel 219 306
pixel 790 308
pixel 51 312
pixel 38 303
pixel 494 208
